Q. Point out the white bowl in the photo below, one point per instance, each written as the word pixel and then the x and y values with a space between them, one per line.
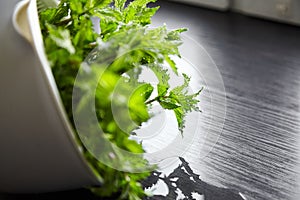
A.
pixel 38 150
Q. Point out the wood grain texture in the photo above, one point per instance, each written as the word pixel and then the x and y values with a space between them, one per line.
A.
pixel 258 151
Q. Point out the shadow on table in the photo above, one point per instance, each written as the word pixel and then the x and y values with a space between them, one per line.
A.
pixel 182 178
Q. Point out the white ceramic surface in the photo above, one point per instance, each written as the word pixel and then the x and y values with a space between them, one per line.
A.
pixel 38 152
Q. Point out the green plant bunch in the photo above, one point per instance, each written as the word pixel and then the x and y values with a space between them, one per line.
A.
pixel 124 46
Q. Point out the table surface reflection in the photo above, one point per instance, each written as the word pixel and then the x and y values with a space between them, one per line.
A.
pixel 258 150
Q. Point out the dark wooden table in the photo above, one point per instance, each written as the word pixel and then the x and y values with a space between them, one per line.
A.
pixel 258 151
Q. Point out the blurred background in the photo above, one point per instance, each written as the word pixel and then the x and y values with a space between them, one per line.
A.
pixel 287 11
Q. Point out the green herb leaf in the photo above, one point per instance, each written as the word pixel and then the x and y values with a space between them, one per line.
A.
pixel 119 4
pixel 187 102
pixel 61 37
pixel 169 104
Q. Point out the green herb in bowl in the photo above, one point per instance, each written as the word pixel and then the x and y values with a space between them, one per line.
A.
pixel 125 45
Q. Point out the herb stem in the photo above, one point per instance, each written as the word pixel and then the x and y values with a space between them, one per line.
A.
pixel 156 99
pixel 151 101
